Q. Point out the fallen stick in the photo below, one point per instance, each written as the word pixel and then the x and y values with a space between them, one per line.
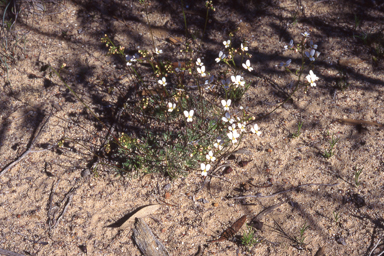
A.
pixel 148 244
pixel 28 151
pixel 9 253
pixel 259 195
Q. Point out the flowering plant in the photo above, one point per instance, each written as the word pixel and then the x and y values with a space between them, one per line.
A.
pixel 179 127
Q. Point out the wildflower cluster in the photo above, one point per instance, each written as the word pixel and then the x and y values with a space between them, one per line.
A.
pixel 112 49
pixel 308 51
pixel 184 126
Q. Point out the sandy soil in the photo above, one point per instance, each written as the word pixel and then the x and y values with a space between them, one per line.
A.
pixel 54 203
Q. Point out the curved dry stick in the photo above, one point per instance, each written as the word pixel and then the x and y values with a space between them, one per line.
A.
pixel 28 151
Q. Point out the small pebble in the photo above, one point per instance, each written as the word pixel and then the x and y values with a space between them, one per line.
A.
pixel 203 200
pixel 85 173
pixel 167 195
pixel 215 204
pixel 167 187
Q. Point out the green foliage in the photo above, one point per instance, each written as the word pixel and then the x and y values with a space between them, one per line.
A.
pixel 357 22
pixel 336 216
pixel 357 175
pixel 298 132
pixel 301 238
pixel 328 153
pixel 342 82
pixel 167 141
pixel 248 239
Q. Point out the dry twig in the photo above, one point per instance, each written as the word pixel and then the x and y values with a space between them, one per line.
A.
pixel 9 253
pixel 28 151
pixel 374 248
pixel 259 195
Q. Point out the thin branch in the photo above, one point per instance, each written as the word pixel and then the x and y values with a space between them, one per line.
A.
pixel 28 151
pixel 259 195
pixel 9 253
pixel 64 210
pixel 374 248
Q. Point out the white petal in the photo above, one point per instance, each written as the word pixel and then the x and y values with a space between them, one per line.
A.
pixel 312 52
pixel 186 113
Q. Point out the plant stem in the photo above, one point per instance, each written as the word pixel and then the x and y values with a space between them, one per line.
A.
pixel 185 19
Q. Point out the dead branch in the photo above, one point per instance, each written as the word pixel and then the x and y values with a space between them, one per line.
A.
pixel 9 253
pixel 259 195
pixel 28 151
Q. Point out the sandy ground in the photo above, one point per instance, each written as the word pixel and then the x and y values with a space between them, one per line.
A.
pixel 53 202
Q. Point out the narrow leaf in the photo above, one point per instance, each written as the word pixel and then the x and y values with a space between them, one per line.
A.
pixel 142 212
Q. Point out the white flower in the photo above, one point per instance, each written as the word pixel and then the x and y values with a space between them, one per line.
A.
pixel 255 129
pixel 157 51
pixel 221 56
pixel 210 156
pixel 227 43
pixel 233 136
pixel 162 82
pixel 244 49
pixel 310 55
pixel 130 59
pixel 291 43
pixel 305 34
pixel 241 126
pixel 171 106
pixel 198 62
pixel 247 65
pixel 312 78
pixel 286 64
pixel 232 127
pixel 201 71
pixel 188 115
pixel 226 82
pixel 237 80
pixel 226 104
pixel 314 46
pixel 219 143
pixel 227 118
pixel 205 169
pixel 207 82
pixel 289 46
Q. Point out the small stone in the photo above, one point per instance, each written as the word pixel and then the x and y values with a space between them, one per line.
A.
pixel 167 195
pixel 203 200
pixel 227 170
pixel 215 204
pixel 270 150
pixel 340 240
pixel 85 173
pixel 167 187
